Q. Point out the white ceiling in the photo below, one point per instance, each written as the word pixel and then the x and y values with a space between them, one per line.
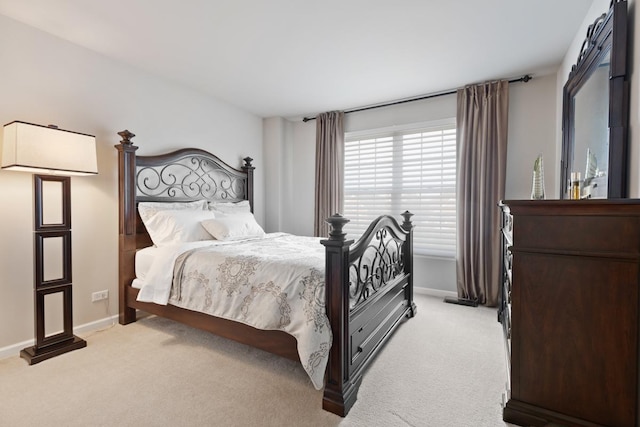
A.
pixel 299 57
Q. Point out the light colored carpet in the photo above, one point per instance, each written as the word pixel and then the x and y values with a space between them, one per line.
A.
pixel 445 367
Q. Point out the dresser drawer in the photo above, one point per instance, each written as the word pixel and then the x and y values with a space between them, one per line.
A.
pixel 560 233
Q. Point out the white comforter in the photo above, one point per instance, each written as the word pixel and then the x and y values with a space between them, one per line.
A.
pixel 272 283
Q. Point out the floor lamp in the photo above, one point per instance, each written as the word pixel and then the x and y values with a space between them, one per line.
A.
pixel 52 155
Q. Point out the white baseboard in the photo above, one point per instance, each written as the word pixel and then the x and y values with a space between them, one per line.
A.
pixel 96 325
pixel 14 349
pixel 434 292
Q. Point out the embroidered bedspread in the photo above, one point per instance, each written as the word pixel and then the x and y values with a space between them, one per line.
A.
pixel 272 283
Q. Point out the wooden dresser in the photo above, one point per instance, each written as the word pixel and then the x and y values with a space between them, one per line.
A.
pixel 569 307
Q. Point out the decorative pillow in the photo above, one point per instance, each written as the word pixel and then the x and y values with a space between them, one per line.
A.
pixel 238 226
pixel 149 209
pixel 178 226
pixel 230 207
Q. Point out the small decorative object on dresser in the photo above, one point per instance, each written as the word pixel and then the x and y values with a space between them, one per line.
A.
pixel 537 187
pixel 575 186
pixel 570 309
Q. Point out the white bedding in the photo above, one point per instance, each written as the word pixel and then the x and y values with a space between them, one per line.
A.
pixel 144 260
pixel 273 283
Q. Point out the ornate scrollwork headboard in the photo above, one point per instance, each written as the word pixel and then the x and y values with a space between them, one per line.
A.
pixel 189 174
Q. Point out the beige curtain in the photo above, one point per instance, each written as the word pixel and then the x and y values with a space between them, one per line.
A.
pixel 482 156
pixel 329 169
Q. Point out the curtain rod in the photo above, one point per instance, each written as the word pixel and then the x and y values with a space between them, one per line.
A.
pixel 524 79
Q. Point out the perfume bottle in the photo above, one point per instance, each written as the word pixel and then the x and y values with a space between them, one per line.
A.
pixel 574 190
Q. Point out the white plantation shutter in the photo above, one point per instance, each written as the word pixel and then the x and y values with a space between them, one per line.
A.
pixel 393 170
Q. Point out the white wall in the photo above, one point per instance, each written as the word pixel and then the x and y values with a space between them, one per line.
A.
pixel 303 154
pixel 273 137
pixel 46 80
pixel 531 132
pixel 532 124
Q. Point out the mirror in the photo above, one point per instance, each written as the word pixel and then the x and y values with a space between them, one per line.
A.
pixel 595 111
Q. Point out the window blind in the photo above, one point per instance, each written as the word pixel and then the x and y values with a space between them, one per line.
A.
pixel 390 171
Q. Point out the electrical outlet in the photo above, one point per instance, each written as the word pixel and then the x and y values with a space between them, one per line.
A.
pixel 99 296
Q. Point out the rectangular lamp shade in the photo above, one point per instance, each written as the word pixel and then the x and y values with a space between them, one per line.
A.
pixel 42 149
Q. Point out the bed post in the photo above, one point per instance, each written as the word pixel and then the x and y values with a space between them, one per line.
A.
pixel 248 190
pixel 127 222
pixel 408 259
pixel 340 391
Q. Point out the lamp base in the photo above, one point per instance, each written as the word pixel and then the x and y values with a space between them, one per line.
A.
pixel 34 355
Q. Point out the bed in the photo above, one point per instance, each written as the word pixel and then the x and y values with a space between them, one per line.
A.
pixel 367 285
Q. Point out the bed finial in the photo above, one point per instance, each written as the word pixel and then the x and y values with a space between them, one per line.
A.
pixel 248 183
pixel 407 225
pixel 126 137
pixel 336 222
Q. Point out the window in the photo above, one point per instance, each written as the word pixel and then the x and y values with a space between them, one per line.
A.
pixel 411 168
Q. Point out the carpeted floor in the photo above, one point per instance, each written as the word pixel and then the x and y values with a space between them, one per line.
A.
pixel 445 367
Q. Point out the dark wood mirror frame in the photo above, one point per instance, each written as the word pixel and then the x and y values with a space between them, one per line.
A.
pixel 607 34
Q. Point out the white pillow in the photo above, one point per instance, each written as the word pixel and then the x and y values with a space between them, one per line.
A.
pixel 233 227
pixel 230 207
pixel 149 209
pixel 179 226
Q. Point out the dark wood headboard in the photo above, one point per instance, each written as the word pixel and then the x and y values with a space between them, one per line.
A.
pixel 184 175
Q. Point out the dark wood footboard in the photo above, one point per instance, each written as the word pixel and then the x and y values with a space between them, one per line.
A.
pixel 366 299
